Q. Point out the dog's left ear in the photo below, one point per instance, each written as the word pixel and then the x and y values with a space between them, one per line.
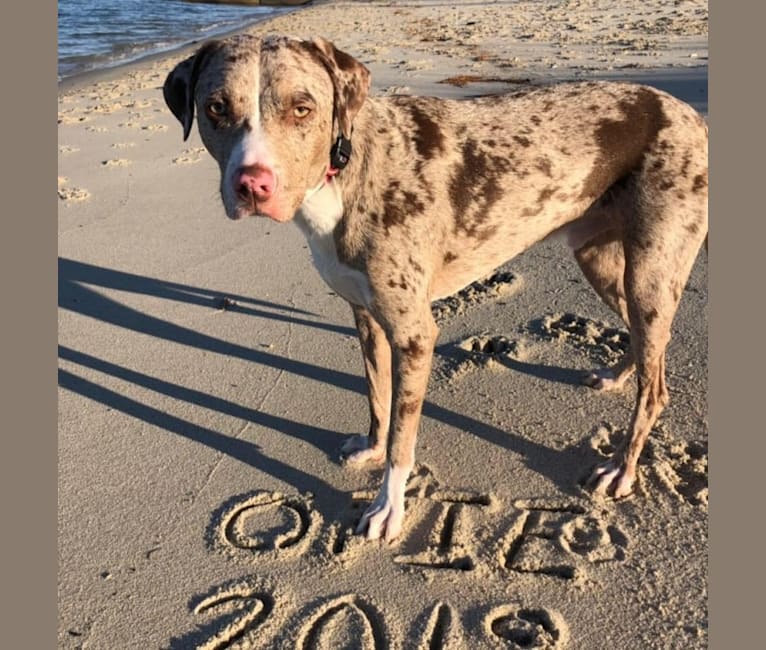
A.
pixel 350 80
pixel 180 85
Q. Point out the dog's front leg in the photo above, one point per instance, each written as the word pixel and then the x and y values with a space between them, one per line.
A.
pixel 412 343
pixel 377 368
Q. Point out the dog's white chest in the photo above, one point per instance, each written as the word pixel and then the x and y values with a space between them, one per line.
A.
pixel 317 217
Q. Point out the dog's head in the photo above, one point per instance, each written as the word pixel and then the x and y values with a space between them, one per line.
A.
pixel 269 110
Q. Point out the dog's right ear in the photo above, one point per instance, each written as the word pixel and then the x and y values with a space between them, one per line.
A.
pixel 181 82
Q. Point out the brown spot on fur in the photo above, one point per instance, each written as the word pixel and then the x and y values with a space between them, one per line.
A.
pixel 546 193
pixel 524 142
pixel 401 284
pixel 398 205
pixel 414 349
pixel 700 182
pixel 408 408
pixel 622 144
pixel 544 165
pixel 415 266
pixel 475 188
pixel 535 119
pixel 667 184
pixel 693 228
pixel 429 138
pixel 650 316
pixel 685 166
pixel 449 257
pixel 665 146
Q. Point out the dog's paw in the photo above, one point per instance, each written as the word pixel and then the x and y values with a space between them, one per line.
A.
pixel 612 478
pixel 382 519
pixel 356 451
pixel 385 516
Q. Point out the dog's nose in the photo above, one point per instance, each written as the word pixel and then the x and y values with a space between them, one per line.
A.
pixel 256 181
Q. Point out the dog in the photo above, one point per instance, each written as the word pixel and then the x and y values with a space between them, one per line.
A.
pixel 405 200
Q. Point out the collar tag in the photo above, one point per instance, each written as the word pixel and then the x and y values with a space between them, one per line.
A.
pixel 340 153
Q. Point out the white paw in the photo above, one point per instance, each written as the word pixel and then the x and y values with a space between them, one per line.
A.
pixel 356 451
pixel 385 516
pixel 612 479
pixel 602 379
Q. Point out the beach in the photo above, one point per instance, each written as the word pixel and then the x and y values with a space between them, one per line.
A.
pixel 208 378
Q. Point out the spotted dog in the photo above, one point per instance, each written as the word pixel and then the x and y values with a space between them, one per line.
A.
pixel 404 200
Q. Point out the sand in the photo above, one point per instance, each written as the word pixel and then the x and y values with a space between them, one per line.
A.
pixel 208 379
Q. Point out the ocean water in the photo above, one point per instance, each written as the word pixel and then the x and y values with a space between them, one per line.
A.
pixel 95 34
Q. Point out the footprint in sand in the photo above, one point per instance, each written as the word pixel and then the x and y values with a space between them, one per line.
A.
pixel 123 145
pixel 678 468
pixel 72 119
pixel 73 194
pixel 499 285
pixel 480 352
pixel 397 90
pixel 116 162
pixel 139 103
pixel 190 156
pixel 106 108
pixel 96 129
pixel 604 343
pixel 65 149
pixel 527 627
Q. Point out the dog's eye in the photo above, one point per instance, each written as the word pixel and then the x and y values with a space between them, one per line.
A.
pixel 216 109
pixel 301 111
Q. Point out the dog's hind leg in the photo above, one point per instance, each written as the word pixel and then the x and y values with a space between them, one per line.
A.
pixel 376 350
pixel 602 261
pixel 651 311
pixel 661 245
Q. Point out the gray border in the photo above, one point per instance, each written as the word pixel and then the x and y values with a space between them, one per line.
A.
pixel 736 377
pixel 28 271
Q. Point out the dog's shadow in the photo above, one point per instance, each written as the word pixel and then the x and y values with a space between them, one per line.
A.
pixel 77 292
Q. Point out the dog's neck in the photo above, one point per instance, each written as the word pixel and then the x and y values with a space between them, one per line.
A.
pixel 334 208
pixel 364 160
pixel 321 210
